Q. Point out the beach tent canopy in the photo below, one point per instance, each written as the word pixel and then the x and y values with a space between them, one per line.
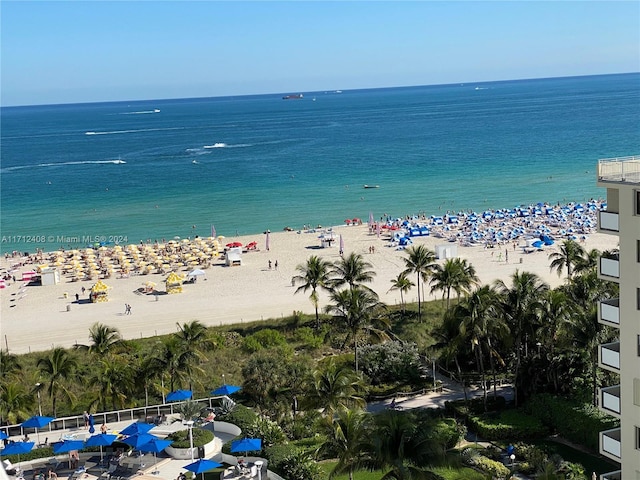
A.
pixel 99 292
pixel 196 273
pixel 174 283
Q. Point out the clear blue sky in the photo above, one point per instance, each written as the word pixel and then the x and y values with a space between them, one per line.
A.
pixel 76 51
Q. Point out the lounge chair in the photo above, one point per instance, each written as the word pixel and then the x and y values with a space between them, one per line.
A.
pixel 11 469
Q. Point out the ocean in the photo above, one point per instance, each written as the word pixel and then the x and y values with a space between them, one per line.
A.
pixel 122 172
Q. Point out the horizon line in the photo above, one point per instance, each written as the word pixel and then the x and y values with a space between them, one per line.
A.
pixel 314 91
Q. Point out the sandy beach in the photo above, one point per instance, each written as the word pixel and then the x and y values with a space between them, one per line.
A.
pixel 36 318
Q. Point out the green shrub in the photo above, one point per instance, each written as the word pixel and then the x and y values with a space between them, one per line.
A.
pixel 269 431
pixel 200 437
pixel 495 469
pixel 390 362
pixel 241 416
pixel 265 338
pixel 308 337
pixel 577 422
pixel 507 425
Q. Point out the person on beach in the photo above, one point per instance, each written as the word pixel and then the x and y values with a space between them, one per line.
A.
pixel 269 264
pixel 85 417
pixel 276 264
pixel 103 428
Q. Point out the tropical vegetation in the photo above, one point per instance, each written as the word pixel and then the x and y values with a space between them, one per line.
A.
pixel 306 380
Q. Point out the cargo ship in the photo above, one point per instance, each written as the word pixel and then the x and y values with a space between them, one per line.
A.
pixel 292 97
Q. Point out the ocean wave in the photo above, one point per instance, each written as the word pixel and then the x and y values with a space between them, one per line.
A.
pixel 117 132
pixel 59 164
pixel 143 112
pixel 224 145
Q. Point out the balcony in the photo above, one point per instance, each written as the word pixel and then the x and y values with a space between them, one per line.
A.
pixel 608 222
pixel 610 445
pixel 609 312
pixel 617 475
pixel 610 400
pixel 609 268
pixel 609 357
pixel 624 169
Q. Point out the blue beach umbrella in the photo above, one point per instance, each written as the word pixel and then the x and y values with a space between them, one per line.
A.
pixel 100 440
pixel 16 448
pixel 67 446
pixel 225 390
pixel 3 436
pixel 155 446
pixel 137 427
pixel 179 395
pixel 202 465
pixel 37 422
pixel 246 445
pixel 139 439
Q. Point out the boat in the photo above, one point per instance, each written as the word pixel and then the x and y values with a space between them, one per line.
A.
pixel 371 186
pixel 293 97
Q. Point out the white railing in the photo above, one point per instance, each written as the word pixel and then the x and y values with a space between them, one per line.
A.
pixel 130 414
pixel 623 169
pixel 611 442
pixel 610 311
pixel 617 475
pixel 610 355
pixel 610 267
pixel 609 221
pixel 611 401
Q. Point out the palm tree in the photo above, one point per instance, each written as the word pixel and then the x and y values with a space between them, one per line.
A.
pixel 104 339
pixel 403 285
pixel 147 369
pixel 58 366
pixel 334 386
pixel 114 378
pixel 176 362
pixel 454 274
pixel 346 436
pixel 449 344
pixel 352 270
pixel 571 254
pixel 479 322
pixel 10 366
pixel 420 261
pixel 521 306
pixel 399 444
pixel 15 403
pixel 588 262
pixel 195 336
pixel 360 310
pixel 313 275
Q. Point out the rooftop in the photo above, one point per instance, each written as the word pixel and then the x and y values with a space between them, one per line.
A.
pixel 622 170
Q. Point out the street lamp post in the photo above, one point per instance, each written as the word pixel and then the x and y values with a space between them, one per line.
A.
pixel 38 385
pixel 539 345
pixel 189 424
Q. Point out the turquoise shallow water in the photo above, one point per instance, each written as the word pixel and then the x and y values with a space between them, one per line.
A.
pixel 129 171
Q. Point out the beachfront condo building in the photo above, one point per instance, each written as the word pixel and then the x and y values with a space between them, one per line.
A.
pixel 621 178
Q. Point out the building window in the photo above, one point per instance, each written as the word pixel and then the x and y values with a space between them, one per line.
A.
pixel 637 202
pixel 638 297
pixel 637 438
pixel 636 392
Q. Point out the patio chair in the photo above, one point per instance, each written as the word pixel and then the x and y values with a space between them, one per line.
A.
pixel 54 463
